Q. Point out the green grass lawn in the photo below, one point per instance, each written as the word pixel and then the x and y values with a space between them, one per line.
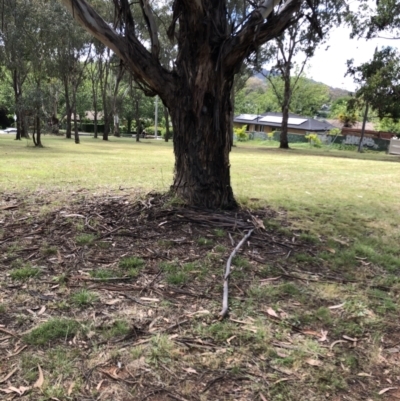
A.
pixel 329 193
pixel 344 205
pixel 339 187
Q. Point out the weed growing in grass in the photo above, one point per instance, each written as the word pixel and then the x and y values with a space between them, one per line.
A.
pixel 138 352
pixel 11 249
pixel 310 238
pixel 53 392
pixel 381 302
pixel 240 265
pixel 63 305
pixel 161 349
pixel 24 273
pixel 285 231
pixel 51 330
pixel 84 297
pixel 241 262
pixel 2 308
pixel 174 200
pixel 204 241
pixel 271 224
pixel 132 262
pixel 29 366
pixel 303 258
pixel 61 279
pixel 60 361
pixel 269 271
pixel 219 331
pixel 48 250
pixel 177 274
pixel 84 239
pixel 177 278
pixel 328 378
pixel 102 274
pixel 133 265
pixel 119 328
pixel 219 232
pixel 103 244
pixel 220 249
pixel 324 315
pixel 165 243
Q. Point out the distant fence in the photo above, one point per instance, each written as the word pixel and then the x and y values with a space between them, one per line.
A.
pixel 372 139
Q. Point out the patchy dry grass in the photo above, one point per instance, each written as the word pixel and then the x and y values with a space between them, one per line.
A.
pixel 127 309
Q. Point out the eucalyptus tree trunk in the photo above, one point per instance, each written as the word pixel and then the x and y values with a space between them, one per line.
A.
pixel 201 120
pixel 137 121
pixel 76 133
pixel 37 133
pixel 167 131
pixel 361 144
pixel 68 110
pixel 17 86
pixel 284 142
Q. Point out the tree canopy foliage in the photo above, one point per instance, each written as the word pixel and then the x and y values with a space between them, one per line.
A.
pixel 379 82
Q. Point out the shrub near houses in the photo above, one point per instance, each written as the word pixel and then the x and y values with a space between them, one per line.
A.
pixel 240 134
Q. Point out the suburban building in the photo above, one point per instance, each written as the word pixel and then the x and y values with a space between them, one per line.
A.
pixel 269 122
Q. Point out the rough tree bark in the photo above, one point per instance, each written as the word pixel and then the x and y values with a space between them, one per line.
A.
pixel 17 86
pixel 167 131
pixel 198 91
pixel 68 110
pixel 76 133
pixel 137 120
pixel 284 142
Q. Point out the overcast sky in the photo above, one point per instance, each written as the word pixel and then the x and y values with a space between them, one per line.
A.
pixel 329 63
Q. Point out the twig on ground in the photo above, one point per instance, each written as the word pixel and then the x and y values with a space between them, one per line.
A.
pixel 224 310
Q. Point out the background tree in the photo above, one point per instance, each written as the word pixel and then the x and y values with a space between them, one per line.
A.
pixel 379 86
pixel 16 50
pixel 375 19
pixel 340 111
pixel 292 51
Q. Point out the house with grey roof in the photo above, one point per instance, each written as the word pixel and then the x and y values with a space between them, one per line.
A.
pixel 269 122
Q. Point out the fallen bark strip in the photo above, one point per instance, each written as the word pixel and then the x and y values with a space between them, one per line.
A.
pixel 224 310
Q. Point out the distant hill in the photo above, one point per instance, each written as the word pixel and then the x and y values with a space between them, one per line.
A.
pixel 334 93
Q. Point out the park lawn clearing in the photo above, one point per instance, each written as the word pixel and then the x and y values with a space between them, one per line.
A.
pixel 116 295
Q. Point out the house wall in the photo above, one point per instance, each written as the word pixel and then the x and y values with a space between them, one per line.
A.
pixel 267 129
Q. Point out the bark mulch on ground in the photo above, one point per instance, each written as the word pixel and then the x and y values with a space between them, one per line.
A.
pixel 117 297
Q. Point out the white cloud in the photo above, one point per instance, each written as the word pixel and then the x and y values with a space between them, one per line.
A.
pixel 329 62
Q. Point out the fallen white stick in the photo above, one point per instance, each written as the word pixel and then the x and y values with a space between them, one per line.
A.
pixel 224 310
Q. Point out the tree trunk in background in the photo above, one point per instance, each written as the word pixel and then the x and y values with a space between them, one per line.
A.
pixel 76 132
pixel 360 145
pixel 68 110
pixel 95 128
pixel 167 131
pixel 116 131
pixel 38 131
pixel 18 125
pixel 137 120
pixel 284 143
pixel 21 129
pixel 107 119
